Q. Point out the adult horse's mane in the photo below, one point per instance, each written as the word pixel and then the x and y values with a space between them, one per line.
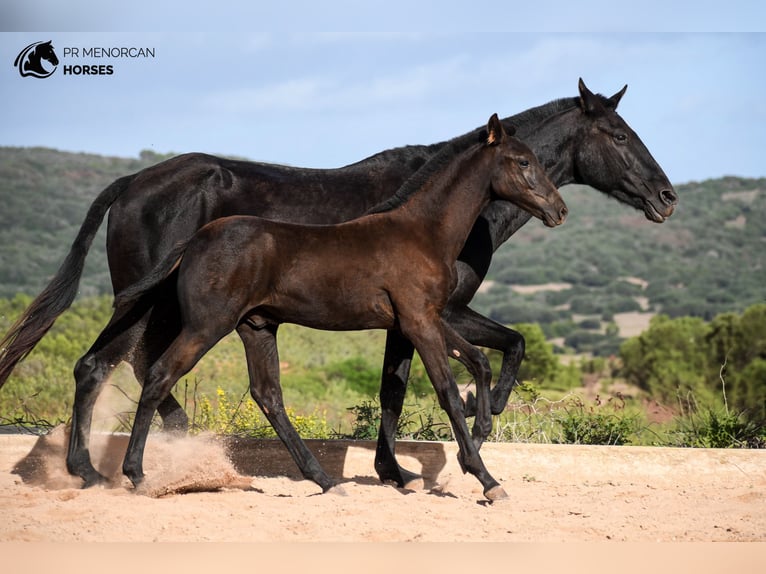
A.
pixel 450 148
pixel 443 157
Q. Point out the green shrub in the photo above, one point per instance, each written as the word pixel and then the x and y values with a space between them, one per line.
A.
pixel 244 418
pixel 717 428
pixel 595 425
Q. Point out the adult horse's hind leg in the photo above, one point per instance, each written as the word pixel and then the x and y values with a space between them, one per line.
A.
pixel 393 385
pixel 484 332
pixel 113 344
pixel 163 324
pixel 90 372
pixel 263 369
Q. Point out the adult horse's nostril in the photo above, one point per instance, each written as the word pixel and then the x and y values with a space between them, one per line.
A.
pixel 668 197
pixel 563 212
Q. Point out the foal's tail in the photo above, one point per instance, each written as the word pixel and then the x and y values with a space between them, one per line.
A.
pixel 154 278
pixel 61 291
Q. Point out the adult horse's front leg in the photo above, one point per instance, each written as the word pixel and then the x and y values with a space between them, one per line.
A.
pixel 484 332
pixel 427 335
pixel 263 369
pixel 478 366
pixel 393 386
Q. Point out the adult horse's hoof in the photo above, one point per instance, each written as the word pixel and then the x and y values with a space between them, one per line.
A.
pixel 96 479
pixel 495 494
pixel 399 477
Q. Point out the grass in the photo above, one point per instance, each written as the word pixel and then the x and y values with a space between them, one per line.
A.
pixel 330 383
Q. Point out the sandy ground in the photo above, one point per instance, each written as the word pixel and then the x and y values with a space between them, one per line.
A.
pixel 206 489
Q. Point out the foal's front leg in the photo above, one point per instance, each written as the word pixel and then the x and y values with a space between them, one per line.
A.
pixel 427 335
pixel 478 366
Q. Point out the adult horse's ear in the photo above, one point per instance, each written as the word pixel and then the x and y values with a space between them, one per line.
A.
pixel 612 102
pixel 495 131
pixel 589 102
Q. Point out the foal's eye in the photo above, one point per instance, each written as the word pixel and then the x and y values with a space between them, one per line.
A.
pixel 524 163
pixel 621 138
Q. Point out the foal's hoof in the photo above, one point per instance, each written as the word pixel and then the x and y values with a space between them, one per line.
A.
pixel 495 494
pixel 416 483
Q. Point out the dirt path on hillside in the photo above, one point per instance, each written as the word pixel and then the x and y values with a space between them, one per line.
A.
pixel 204 489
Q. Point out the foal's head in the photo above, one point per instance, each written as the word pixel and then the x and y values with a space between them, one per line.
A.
pixel 518 177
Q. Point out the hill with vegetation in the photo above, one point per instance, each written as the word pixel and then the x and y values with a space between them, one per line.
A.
pixel 44 196
pixel 591 287
pixel 578 281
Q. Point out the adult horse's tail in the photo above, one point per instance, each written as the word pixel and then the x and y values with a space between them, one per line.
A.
pixel 61 291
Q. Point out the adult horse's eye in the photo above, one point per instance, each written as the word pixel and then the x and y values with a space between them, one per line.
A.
pixel 524 163
pixel 621 138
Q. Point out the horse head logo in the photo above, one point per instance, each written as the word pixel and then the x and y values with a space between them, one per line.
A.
pixel 30 60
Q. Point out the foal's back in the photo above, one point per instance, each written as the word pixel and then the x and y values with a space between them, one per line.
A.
pixel 333 277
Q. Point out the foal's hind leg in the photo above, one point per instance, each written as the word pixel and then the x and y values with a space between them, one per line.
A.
pixel 263 368
pixel 185 351
pixel 393 385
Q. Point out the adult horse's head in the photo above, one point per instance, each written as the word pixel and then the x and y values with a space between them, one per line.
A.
pixel 613 159
pixel 519 177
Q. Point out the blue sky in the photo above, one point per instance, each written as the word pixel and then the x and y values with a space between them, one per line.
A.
pixel 695 93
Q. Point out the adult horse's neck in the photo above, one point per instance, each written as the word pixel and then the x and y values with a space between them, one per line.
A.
pixel 551 132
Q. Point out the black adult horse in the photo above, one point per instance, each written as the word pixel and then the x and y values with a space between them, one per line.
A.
pixel 578 140
pixel 392 270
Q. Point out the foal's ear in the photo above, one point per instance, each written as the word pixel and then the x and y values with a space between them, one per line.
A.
pixel 589 102
pixel 495 132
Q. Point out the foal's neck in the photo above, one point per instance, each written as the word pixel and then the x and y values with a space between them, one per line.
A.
pixel 446 206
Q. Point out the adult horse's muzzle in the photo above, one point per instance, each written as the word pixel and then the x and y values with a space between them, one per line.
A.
pixel 661 205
